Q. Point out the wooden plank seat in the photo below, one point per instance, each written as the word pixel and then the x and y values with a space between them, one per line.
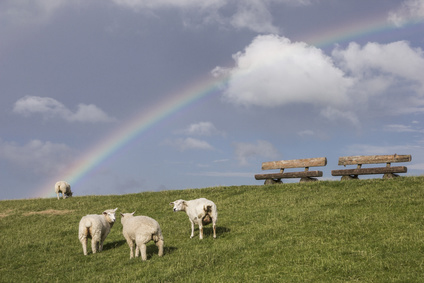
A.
pixel 306 175
pixel 388 171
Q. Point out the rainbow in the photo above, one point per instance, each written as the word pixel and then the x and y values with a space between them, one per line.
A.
pixel 134 128
pixel 356 29
pixel 189 95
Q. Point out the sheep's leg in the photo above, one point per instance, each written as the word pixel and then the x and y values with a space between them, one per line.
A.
pixel 84 245
pixel 140 242
pixel 102 238
pixel 192 229
pixel 214 229
pixel 58 196
pixel 200 230
pixel 159 244
pixel 94 245
pixel 131 245
pixel 143 249
pixel 137 250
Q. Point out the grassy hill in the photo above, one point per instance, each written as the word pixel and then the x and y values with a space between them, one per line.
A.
pixel 327 231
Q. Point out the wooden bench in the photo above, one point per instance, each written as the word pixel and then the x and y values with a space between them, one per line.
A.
pixel 305 175
pixel 388 171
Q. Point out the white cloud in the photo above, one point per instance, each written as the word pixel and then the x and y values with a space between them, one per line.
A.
pixel 410 10
pixel 388 61
pixel 273 71
pixel 246 151
pixel 37 156
pixel 255 16
pixel 241 14
pixel 387 76
pixel 89 113
pixel 305 133
pixel 201 129
pixel 398 128
pixel 156 4
pixel 247 14
pixel 50 108
pixel 191 143
pixel 334 114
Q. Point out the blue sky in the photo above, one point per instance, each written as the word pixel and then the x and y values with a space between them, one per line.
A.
pixel 304 78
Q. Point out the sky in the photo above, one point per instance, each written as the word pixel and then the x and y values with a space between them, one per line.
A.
pixel 128 96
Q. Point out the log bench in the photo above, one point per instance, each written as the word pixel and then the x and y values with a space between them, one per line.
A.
pixel 305 176
pixel 388 171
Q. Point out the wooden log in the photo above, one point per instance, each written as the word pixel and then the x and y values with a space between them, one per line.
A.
pixel 370 171
pixel 288 175
pixel 373 159
pixel 295 163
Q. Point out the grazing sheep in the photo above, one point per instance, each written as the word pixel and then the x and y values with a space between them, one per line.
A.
pixel 96 227
pixel 200 211
pixel 64 188
pixel 141 229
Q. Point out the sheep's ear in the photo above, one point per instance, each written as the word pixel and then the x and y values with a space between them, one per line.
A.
pixel 133 213
pixel 115 209
pixel 122 215
pixel 104 213
pixel 171 203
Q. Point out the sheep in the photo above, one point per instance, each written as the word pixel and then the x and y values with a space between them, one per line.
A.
pixel 96 227
pixel 200 211
pixel 141 229
pixel 64 188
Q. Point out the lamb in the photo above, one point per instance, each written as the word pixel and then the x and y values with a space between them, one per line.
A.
pixel 64 188
pixel 96 227
pixel 141 229
pixel 200 211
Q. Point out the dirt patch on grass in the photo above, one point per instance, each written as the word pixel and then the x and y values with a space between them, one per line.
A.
pixel 5 213
pixel 49 212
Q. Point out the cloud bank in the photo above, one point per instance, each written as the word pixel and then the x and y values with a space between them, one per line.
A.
pixel 273 71
pixel 410 10
pixel 50 108
pixel 37 156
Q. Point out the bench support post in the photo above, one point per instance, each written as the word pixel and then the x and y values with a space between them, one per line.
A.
pixel 272 181
pixel 390 176
pixel 349 177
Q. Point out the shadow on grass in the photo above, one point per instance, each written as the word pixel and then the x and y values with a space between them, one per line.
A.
pixel 114 245
pixel 153 250
pixel 208 231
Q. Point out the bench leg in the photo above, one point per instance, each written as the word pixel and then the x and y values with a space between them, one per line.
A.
pixel 307 179
pixel 390 176
pixel 272 181
pixel 349 177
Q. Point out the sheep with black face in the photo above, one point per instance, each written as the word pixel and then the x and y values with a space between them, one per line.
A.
pixel 200 211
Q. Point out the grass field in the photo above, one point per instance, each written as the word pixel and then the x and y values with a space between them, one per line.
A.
pixel 326 231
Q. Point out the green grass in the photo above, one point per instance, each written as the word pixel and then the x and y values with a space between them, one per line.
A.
pixel 327 231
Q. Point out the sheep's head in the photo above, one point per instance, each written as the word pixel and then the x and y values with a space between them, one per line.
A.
pixel 110 215
pixel 68 194
pixel 179 205
pixel 126 216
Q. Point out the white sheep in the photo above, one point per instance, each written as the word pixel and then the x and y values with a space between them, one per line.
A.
pixel 64 188
pixel 96 227
pixel 141 229
pixel 200 211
